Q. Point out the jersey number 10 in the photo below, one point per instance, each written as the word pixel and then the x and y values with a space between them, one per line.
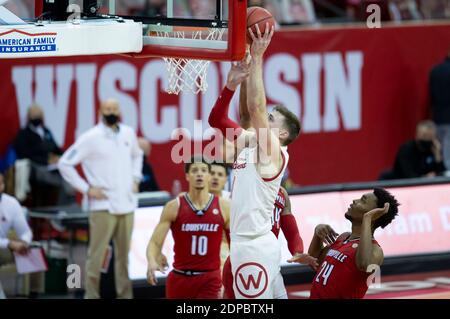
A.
pixel 199 245
pixel 325 272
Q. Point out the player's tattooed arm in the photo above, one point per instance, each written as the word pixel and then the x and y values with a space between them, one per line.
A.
pixel 156 260
pixel 367 252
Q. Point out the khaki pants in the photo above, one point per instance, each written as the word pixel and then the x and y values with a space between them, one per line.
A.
pixel 33 282
pixel 103 227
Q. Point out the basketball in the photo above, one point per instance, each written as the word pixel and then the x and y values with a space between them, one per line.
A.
pixel 258 16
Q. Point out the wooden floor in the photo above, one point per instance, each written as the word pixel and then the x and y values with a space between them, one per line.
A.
pixel 431 285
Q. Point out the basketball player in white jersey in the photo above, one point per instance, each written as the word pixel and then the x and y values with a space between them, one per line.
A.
pixel 260 164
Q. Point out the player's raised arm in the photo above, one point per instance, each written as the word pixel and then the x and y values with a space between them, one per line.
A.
pixel 231 149
pixel 219 118
pixel 256 96
pixel 156 260
pixel 367 252
pixel 244 116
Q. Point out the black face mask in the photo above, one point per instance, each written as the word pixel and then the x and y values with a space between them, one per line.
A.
pixel 111 119
pixel 36 122
pixel 425 145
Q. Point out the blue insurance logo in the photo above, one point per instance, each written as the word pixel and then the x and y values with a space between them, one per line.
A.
pixel 19 41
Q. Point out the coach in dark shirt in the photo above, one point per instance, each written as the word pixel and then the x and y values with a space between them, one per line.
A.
pixel 440 92
pixel 148 183
pixel 440 104
pixel 422 156
pixel 35 141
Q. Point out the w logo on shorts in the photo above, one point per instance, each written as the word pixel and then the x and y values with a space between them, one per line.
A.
pixel 251 280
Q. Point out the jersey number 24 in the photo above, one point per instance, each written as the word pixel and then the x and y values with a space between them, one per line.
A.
pixel 325 272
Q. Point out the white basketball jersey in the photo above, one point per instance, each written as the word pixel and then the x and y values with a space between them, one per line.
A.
pixel 253 197
pixel 225 194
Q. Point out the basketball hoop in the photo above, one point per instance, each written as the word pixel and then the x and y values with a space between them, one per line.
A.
pixel 187 45
pixel 189 75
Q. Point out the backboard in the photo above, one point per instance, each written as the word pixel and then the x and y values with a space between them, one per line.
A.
pixel 194 29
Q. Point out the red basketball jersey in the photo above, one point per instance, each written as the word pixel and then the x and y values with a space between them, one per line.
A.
pixel 198 235
pixel 338 277
pixel 278 207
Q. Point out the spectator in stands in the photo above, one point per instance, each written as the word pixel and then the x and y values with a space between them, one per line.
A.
pixel 298 12
pixel 354 9
pixel 154 8
pixel 127 7
pixel 440 104
pixel 159 7
pixel 404 10
pixel 422 156
pixel 331 9
pixel 148 182
pixel 36 143
pixel 202 9
pixel 112 163
pixel 435 9
pixel 272 6
pixel 357 9
pixel 122 7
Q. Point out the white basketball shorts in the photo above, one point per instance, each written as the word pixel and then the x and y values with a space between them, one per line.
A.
pixel 255 263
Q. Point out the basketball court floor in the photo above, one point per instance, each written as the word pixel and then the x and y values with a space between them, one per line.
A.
pixel 425 285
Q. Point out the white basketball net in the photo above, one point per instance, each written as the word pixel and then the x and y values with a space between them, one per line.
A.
pixel 185 74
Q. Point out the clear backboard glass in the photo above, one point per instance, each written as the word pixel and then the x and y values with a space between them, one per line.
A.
pixel 189 9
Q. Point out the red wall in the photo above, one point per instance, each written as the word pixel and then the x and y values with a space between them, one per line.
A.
pixel 359 93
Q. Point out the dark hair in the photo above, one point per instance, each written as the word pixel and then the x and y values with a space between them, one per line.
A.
pixel 291 123
pixel 225 166
pixel 383 196
pixel 196 159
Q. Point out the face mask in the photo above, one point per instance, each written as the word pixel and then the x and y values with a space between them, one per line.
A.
pixel 425 145
pixel 36 122
pixel 111 119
